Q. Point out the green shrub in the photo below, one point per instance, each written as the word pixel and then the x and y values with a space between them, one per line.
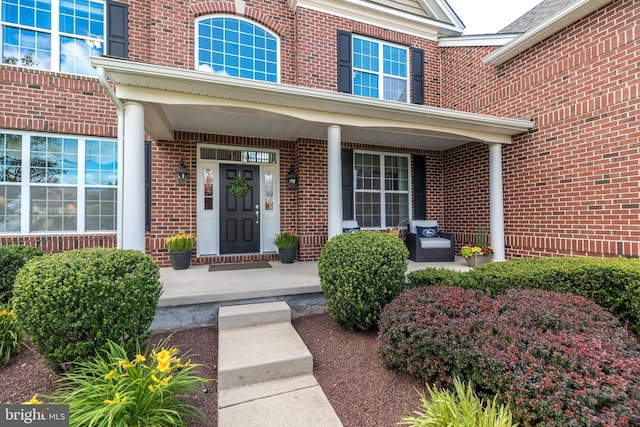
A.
pixel 361 272
pixel 70 304
pixel 557 359
pixel 460 408
pixel 9 335
pixel 436 276
pixel 148 390
pixel 12 258
pixel 612 283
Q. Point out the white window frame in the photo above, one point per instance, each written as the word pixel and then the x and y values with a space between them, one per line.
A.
pixel 381 75
pixel 56 36
pixel 81 187
pixel 196 43
pixel 383 191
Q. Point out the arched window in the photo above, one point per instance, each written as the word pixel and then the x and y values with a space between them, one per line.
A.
pixel 236 47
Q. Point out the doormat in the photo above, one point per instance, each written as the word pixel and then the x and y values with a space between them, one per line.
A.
pixel 242 266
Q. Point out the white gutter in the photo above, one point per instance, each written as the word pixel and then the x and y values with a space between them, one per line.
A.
pixel 124 73
pixel 102 77
pixel 573 13
pixel 477 40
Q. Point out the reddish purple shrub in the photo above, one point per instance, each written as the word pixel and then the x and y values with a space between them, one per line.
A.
pixel 557 359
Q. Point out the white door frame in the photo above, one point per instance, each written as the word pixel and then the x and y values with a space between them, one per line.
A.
pixel 208 220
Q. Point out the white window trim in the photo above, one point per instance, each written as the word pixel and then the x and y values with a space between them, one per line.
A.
pixel 382 190
pixel 381 75
pixel 81 186
pixel 196 43
pixel 55 35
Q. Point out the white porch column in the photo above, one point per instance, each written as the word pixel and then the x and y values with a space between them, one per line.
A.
pixel 496 201
pixel 133 197
pixel 334 172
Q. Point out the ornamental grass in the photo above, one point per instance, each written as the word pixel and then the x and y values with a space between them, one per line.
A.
pixel 147 390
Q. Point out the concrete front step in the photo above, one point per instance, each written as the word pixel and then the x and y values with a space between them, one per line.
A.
pixel 239 316
pixel 256 354
pixel 265 371
pixel 291 402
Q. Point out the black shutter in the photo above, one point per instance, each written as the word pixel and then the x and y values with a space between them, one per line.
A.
pixel 419 187
pixel 117 29
pixel 344 61
pixel 417 76
pixel 347 184
pixel 147 185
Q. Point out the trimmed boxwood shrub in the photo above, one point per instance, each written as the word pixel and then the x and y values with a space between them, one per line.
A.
pixel 556 359
pixel 12 258
pixel 70 304
pixel 361 272
pixel 612 283
pixel 437 276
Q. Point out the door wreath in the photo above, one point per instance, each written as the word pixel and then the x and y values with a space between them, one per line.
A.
pixel 239 186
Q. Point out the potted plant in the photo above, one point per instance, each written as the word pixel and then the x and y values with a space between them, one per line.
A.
pixel 476 255
pixel 180 247
pixel 287 242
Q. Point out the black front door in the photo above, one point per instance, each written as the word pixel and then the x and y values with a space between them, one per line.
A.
pixel 239 216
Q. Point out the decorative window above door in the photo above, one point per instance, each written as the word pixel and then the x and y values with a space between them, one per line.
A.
pixel 236 47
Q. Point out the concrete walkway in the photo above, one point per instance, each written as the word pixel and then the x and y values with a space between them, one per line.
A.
pixel 265 371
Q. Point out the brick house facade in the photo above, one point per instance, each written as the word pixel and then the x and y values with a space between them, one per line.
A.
pixel 565 183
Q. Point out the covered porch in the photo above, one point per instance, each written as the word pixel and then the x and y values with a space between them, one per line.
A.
pixel 160 102
pixel 192 297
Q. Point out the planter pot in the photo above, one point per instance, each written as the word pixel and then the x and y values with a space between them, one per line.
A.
pixel 287 255
pixel 180 260
pixel 476 260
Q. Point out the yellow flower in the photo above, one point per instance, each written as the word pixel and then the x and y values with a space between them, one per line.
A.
pixel 164 365
pixel 151 389
pixel 33 401
pixel 116 400
pixel 125 364
pixel 140 358
pixel 111 375
pixel 7 313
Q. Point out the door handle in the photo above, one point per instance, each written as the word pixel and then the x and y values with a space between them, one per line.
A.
pixel 257 214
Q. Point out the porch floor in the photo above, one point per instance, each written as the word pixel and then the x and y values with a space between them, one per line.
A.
pixel 193 296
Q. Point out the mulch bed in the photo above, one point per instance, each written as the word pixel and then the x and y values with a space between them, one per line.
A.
pixel 361 389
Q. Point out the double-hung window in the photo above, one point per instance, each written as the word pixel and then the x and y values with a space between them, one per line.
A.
pixel 236 47
pixel 381 189
pixel 57 35
pixel 57 184
pixel 380 69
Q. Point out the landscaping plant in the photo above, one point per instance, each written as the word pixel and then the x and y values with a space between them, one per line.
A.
pixel 360 273
pixel 612 283
pixel 12 258
pixel 71 304
pixel 148 390
pixel 9 335
pixel 458 408
pixel 557 359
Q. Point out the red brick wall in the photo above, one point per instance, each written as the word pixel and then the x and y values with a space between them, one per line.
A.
pixel 317 51
pixel 571 185
pixel 43 101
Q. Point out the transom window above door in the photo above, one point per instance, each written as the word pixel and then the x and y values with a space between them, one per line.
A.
pixel 237 47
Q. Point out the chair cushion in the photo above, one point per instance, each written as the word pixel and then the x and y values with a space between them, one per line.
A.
pixel 349 226
pixel 421 223
pixel 434 243
pixel 429 232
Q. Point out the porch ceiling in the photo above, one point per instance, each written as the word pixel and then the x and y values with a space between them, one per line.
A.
pixel 184 100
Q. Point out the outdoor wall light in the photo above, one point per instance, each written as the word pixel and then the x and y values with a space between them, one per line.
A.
pixel 181 173
pixel 292 178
